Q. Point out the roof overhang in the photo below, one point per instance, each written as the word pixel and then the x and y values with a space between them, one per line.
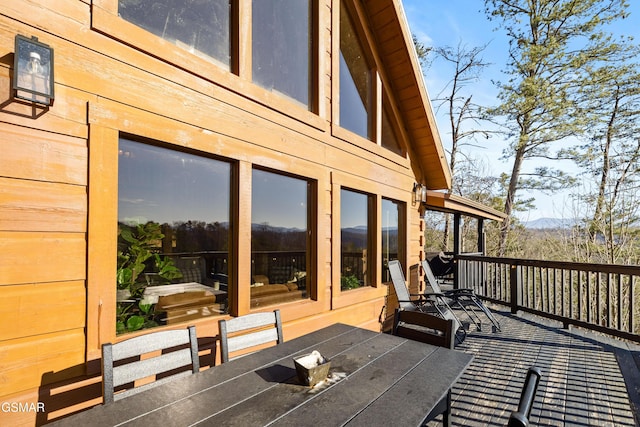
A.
pixel 404 75
pixel 450 203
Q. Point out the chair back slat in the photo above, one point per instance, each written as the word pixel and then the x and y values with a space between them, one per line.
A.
pixel 241 342
pixel 250 321
pixel 145 368
pixel 149 343
pixel 424 327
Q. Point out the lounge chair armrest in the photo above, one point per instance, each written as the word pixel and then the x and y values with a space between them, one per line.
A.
pixel 435 294
pixel 460 292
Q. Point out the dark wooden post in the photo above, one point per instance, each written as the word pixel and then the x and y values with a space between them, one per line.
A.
pixel 456 250
pixel 515 281
pixel 456 234
pixel 481 237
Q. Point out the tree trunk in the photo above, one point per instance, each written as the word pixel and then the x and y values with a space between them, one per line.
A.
pixel 510 199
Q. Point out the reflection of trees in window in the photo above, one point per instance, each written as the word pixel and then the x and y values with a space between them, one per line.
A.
pixel 355 80
pixel 201 26
pixel 173 220
pixel 282 46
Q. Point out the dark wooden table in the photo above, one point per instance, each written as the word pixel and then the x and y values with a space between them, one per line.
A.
pixel 376 379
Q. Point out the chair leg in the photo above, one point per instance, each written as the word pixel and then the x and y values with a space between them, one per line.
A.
pixel 443 407
pixel 488 313
pixel 446 415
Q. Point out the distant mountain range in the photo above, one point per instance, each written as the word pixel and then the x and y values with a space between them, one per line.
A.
pixel 549 223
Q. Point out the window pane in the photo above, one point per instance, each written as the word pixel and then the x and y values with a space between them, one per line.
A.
pixel 355 80
pixel 173 235
pixel 279 239
pixel 202 27
pixel 354 239
pixel 281 51
pixel 390 235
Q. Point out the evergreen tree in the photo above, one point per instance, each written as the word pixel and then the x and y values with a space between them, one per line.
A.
pixel 554 45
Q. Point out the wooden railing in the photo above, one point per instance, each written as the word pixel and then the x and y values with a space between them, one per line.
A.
pixel 604 298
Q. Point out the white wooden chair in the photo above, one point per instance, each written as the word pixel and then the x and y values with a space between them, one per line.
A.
pixel 251 330
pixel 122 364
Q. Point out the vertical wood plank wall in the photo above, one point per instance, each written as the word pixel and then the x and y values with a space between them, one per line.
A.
pixel 57 186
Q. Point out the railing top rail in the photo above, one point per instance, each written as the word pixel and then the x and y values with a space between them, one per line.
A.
pixel 562 265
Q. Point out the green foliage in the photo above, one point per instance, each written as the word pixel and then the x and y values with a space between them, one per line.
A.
pixel 137 254
pixel 349 282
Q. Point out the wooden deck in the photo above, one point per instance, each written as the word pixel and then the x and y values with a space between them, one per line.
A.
pixel 588 379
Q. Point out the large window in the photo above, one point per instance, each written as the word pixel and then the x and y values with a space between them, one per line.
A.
pixel 202 27
pixel 173 236
pixel 355 239
pixel 280 238
pixel 282 47
pixel 355 80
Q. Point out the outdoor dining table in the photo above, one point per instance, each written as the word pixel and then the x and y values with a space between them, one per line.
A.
pixel 374 379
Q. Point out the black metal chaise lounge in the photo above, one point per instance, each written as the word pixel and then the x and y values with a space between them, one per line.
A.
pixel 437 306
pixel 461 298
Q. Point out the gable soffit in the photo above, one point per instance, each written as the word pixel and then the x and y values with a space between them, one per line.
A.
pixel 406 84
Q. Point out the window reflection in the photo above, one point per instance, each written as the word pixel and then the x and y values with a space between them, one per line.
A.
pixel 389 138
pixel 281 50
pixel 354 239
pixel 202 27
pixel 391 234
pixel 280 239
pixel 173 236
pixel 355 80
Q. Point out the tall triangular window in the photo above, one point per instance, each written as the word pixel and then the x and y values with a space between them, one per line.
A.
pixel 355 80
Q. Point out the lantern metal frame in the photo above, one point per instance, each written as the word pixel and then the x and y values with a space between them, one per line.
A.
pixel 33 71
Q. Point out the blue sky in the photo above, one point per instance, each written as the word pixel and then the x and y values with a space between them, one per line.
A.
pixel 451 22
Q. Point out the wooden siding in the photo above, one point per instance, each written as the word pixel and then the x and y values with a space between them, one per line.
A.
pixel 58 184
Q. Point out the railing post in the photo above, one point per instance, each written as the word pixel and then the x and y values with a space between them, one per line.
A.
pixel 515 280
pixel 456 273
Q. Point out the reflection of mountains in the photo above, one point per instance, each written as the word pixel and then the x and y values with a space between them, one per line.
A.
pixel 356 237
pixel 200 235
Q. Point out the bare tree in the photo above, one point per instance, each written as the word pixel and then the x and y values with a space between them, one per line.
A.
pixel 463 115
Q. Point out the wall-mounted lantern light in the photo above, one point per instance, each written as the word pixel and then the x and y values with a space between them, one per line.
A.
pixel 419 194
pixel 33 71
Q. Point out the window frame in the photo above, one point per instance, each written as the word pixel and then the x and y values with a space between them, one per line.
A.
pixel 402 233
pixel 370 274
pixel 312 227
pixel 356 16
pixel 105 19
pixel 381 97
pixel 233 196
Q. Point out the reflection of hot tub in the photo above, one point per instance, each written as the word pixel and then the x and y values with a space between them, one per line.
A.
pixel 186 301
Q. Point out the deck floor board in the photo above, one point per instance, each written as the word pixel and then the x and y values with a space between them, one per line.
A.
pixel 588 379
